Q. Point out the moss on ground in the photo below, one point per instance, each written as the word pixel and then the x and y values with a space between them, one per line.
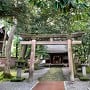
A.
pixel 54 74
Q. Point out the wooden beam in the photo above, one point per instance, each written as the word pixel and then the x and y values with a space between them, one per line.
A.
pixel 45 42
pixel 76 42
pixel 50 42
pixel 73 35
pixel 43 35
pixel 1 41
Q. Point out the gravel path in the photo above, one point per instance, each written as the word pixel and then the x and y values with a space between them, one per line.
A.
pixel 17 85
pixel 77 85
pixel 23 85
pixel 66 73
pixel 37 74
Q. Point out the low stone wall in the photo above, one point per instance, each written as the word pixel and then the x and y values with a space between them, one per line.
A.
pixel 12 61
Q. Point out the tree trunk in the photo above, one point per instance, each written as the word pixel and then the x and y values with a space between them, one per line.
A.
pixel 8 47
pixel 23 52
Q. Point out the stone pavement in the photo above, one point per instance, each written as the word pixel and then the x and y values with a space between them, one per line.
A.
pixel 50 85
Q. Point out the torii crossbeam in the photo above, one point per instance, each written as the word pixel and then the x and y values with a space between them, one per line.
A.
pixel 50 42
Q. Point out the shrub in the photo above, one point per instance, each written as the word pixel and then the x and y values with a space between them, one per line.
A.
pixel 26 71
pixel 17 79
pixel 88 69
pixel 7 75
pixel 36 67
pixel 84 78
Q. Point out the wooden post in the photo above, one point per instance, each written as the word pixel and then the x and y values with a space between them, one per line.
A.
pixel 70 58
pixel 51 39
pixel 32 59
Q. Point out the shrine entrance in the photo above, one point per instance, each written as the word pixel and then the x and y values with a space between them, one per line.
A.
pixel 58 55
pixel 52 39
pixel 58 59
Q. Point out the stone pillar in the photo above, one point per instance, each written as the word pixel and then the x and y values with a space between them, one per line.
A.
pixel 70 58
pixel 84 70
pixel 19 71
pixel 32 58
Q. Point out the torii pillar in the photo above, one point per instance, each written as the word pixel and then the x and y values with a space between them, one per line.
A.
pixel 32 59
pixel 70 58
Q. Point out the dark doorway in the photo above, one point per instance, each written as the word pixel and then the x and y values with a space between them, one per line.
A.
pixel 58 58
pixel 2 34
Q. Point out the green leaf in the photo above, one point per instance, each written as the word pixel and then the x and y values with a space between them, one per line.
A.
pixel 77 1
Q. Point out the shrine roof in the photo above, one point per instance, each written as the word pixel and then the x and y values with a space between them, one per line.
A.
pixel 56 48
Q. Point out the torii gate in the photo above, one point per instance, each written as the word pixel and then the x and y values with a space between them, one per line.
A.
pixel 68 42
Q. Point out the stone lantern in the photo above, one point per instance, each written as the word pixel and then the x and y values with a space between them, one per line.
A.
pixel 19 65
